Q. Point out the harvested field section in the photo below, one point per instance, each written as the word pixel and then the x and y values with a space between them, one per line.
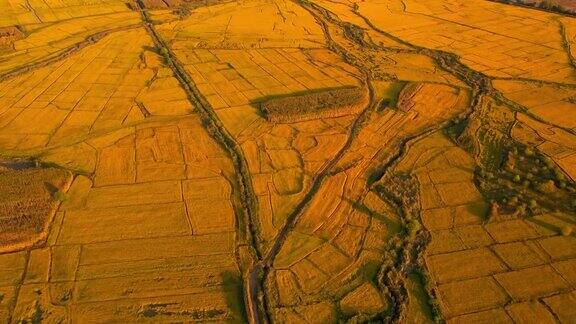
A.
pixel 28 201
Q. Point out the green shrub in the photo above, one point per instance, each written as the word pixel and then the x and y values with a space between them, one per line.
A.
pixel 513 201
pixel 559 175
pixel 60 196
pixel 413 228
pixel 567 230
pixel 163 51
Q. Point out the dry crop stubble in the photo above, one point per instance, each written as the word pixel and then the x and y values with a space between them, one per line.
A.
pixel 466 253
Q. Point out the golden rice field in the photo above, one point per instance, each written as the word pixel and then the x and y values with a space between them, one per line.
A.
pixel 305 161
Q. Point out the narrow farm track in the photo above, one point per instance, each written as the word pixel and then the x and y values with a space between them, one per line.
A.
pixel 90 40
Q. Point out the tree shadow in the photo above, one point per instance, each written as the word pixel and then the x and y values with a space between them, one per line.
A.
pixel 543 224
pixel 478 209
pixel 393 225
pixel 16 164
pixel 565 219
pixel 234 293
pixel 261 99
pixel 369 271
pixel 52 189
pixel 153 49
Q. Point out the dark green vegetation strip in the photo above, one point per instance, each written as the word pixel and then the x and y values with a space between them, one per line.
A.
pixel 311 102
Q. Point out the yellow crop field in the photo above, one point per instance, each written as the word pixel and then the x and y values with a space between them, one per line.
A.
pixel 516 42
pixel 280 24
pixel 476 265
pixel 364 299
pixel 276 161
pixel 562 306
pixel 555 108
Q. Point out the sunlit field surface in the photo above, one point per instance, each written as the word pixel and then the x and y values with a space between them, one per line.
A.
pixel 305 161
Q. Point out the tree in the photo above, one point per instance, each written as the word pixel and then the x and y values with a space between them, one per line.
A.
pixel 567 230
pixel 163 51
pixel 550 5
